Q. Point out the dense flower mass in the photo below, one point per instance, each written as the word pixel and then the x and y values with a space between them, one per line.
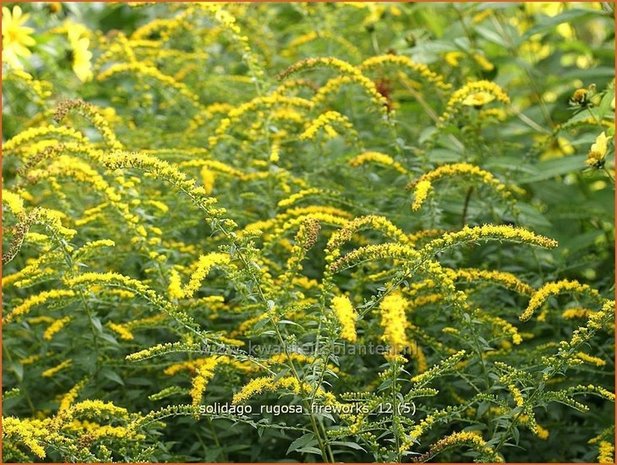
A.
pixel 346 315
pixel 209 253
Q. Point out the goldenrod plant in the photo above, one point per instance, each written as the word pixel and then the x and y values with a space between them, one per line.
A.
pixel 318 232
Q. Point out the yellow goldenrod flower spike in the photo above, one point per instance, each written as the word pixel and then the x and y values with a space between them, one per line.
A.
pixel 294 198
pixel 394 322
pixel 282 359
pixel 310 209
pixel 418 236
pixel 202 268
pixel 207 114
pixel 407 63
pixel 606 452
pixel 488 232
pixel 507 280
pixel 270 384
pixel 111 279
pixel 167 172
pixel 453 57
pixel 311 36
pixel 69 398
pixel 321 97
pixel 305 238
pixel 14 202
pixel 36 300
pixel 50 372
pixel 25 431
pixel 325 122
pixel 32 270
pixel 151 72
pixel 438 369
pixel 31 134
pixel 79 170
pixel 576 312
pixel 346 316
pixel 98 408
pixel 476 94
pixel 311 63
pixel 165 26
pixel 255 386
pixel 483 62
pixel 478 99
pixel 236 113
pixel 162 349
pixel 291 85
pixel 350 74
pixel 541 432
pixel 50 219
pixel 55 327
pixel 471 439
pixel 203 374
pixel 377 158
pixel 213 165
pixel 240 40
pixel 41 89
pixel 121 330
pixel 94 115
pixel 35 320
pixel 586 358
pixel 423 185
pixel 516 395
pixel 277 226
pixel 422 189
pixel 417 431
pixel 375 252
pixel 502 327
pixel 345 234
pixel 554 288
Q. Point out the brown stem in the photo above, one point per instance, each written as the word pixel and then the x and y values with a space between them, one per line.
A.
pixel 464 215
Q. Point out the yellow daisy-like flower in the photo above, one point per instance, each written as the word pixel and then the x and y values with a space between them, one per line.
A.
pixel 79 43
pixel 597 153
pixel 16 38
pixel 478 99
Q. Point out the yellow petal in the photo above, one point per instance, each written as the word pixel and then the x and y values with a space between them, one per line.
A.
pixel 478 99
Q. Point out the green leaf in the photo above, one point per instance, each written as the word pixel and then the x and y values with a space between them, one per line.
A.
pixel 491 36
pixel 605 104
pixel 18 368
pixel 307 439
pixel 556 167
pixel 112 376
pixel 548 24
pixel 96 322
pixel 351 445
